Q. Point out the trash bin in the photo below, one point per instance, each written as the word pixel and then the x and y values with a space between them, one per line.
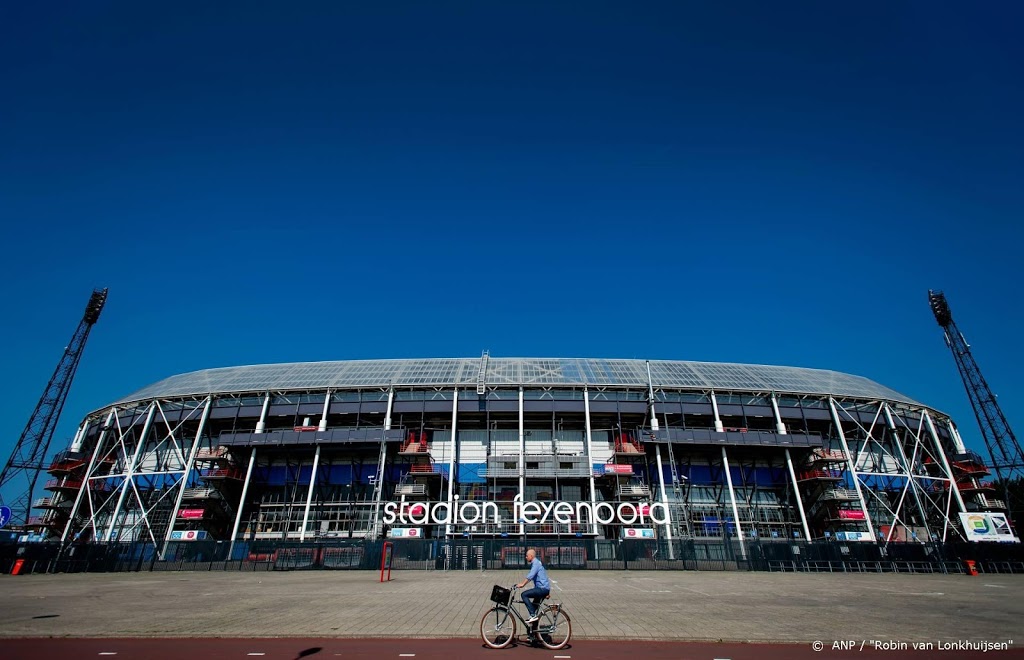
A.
pixel 970 564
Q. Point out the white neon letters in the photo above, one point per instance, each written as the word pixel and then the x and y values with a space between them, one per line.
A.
pixel 532 513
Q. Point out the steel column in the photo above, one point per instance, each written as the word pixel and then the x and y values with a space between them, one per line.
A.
pixel 309 495
pixel 241 502
pixel 590 452
pixel 796 492
pixel 735 509
pixel 852 467
pixel 88 470
pixel 718 420
pixel 184 476
pixel 945 461
pixel 909 468
pixel 449 527
pixel 130 471
pixel 664 500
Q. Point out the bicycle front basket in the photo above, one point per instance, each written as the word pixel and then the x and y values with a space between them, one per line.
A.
pixel 500 595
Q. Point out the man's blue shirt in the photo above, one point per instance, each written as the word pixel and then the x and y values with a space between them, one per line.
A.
pixel 539 575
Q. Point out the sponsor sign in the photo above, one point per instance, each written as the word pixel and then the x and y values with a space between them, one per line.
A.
pixel 191 513
pixel 611 468
pixel 853 536
pixel 849 514
pixel 188 535
pixel 5 515
pixel 987 526
pixel 406 533
pixel 637 533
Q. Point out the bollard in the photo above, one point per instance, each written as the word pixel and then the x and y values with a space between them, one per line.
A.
pixel 16 569
pixel 971 569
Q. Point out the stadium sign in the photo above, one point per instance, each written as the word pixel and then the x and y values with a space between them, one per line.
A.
pixel 988 526
pixel 531 513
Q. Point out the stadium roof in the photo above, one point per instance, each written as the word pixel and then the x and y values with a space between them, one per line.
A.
pixel 465 372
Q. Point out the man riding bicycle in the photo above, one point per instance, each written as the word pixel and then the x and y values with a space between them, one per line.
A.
pixel 541 585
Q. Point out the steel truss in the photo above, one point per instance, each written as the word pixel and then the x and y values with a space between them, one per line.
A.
pixel 140 466
pixel 899 470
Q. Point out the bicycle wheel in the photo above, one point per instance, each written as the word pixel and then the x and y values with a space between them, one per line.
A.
pixel 498 627
pixel 555 627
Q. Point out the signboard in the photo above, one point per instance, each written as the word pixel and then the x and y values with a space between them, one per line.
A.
pixel 191 513
pixel 546 512
pixel 987 526
pixel 851 514
pixel 637 533
pixel 385 560
pixel 611 468
pixel 406 533
pixel 5 516
pixel 188 535
pixel 853 536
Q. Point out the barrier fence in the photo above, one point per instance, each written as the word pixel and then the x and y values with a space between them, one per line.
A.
pixel 495 554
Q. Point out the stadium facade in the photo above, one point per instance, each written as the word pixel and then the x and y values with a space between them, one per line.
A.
pixel 496 447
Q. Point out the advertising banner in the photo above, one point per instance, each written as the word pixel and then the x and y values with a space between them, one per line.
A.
pixel 191 513
pixel 637 533
pixel 987 526
pixel 406 533
pixel 611 468
pixel 189 535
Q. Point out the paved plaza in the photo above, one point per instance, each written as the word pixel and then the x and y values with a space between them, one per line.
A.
pixel 730 606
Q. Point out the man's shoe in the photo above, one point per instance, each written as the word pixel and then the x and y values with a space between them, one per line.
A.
pixel 533 619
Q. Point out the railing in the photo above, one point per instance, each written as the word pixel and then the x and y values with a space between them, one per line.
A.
pixel 581 471
pixel 969 457
pixel 201 493
pixel 633 490
pixel 425 469
pixel 471 552
pixel 807 475
pixel 73 484
pixel 212 454
pixel 411 489
pixel 838 494
pixel 827 456
pixel 222 473
pixel 65 465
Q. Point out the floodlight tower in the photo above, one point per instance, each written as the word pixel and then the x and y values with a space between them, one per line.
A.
pixel 1003 448
pixel 29 453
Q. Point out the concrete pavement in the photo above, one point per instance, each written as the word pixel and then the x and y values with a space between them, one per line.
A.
pixel 689 605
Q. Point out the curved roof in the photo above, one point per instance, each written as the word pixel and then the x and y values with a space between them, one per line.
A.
pixel 465 372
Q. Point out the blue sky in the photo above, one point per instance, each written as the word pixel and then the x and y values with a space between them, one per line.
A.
pixel 776 183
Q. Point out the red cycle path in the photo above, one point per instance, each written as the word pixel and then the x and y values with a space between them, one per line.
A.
pixel 439 649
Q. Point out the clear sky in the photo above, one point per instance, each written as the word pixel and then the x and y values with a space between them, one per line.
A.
pixel 775 183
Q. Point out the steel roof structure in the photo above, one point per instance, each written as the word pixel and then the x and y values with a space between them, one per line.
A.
pixel 538 372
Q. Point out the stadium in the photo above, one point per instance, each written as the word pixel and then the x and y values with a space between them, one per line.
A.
pixel 516 449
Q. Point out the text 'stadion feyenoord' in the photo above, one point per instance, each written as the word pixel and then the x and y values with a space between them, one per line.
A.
pixel 532 513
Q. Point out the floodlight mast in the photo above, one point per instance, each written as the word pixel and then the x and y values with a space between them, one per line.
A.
pixel 30 451
pixel 1003 448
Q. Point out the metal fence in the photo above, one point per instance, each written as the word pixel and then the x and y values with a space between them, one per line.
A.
pixel 493 554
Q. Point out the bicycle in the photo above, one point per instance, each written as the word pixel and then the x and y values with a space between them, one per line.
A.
pixel 498 625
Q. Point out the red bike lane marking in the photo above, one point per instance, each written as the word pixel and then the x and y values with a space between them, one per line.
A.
pixel 287 648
